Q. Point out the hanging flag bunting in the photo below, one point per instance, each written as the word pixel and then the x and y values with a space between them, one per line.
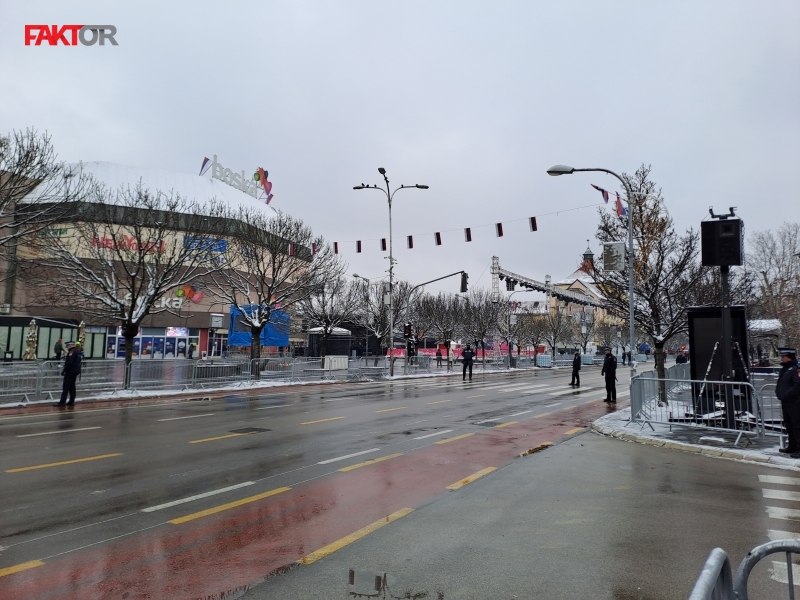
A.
pixel 438 238
pixel 383 244
pixel 621 210
pixel 602 191
pixel 569 308
pixel 291 249
pixel 336 247
pixel 534 227
pixel 313 247
pixel 205 166
pixel 358 246
pixel 498 227
pixel 410 242
pixel 467 234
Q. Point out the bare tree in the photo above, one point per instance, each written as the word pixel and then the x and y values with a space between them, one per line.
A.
pixel 509 324
pixel 36 190
pixel 445 313
pixel 607 329
pixel 328 307
pixel 372 310
pixel 271 265
pixel 557 324
pixel 585 331
pixel 123 251
pixel 666 266
pixel 534 326
pixel 481 318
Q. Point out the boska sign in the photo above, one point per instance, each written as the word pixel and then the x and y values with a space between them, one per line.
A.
pixel 70 35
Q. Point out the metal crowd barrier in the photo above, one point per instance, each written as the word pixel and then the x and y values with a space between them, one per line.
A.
pixel 160 374
pixel 695 403
pixel 716 583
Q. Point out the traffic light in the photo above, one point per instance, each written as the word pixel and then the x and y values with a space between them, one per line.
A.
pixel 464 282
pixel 407 330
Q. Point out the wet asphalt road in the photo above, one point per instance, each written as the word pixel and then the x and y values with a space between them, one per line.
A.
pixel 178 500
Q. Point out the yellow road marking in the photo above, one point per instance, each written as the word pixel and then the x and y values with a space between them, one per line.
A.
pixel 505 424
pixel 459 484
pixel 576 430
pixel 390 409
pixel 219 437
pixel 453 439
pixel 63 462
pixel 321 421
pixel 541 415
pixel 20 567
pixel 541 446
pixel 369 462
pixel 478 396
pixel 221 507
pixel 439 401
pixel 353 537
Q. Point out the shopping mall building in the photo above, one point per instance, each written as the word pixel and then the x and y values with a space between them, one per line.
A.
pixel 197 323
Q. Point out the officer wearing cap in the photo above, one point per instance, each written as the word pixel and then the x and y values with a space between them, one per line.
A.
pixel 788 392
pixel 610 372
pixel 70 372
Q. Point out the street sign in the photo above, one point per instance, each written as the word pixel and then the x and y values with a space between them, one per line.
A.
pixel 614 256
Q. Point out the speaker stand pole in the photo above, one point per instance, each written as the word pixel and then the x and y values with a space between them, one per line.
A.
pixel 727 349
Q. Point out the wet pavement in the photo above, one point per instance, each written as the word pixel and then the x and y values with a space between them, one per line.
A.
pixel 204 499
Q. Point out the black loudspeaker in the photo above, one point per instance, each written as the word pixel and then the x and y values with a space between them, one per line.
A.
pixel 722 242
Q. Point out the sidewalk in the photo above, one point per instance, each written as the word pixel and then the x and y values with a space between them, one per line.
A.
pixel 708 442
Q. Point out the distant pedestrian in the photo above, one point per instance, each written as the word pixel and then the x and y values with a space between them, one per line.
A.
pixel 70 373
pixel 610 373
pixel 438 357
pixel 58 349
pixel 576 370
pixel 467 355
pixel 624 356
pixel 191 350
pixel 788 392
pixel 680 359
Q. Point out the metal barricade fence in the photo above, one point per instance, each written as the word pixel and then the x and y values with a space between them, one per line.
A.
pixel 207 372
pixel 96 377
pixel 271 369
pixel 771 407
pixel 149 374
pixel 544 360
pixel 723 405
pixel 20 381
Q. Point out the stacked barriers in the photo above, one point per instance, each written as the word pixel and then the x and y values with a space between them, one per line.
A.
pixel 677 400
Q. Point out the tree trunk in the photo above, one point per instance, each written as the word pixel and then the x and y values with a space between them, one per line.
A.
pixel 130 332
pixel 483 357
pixel 662 386
pixel 447 349
pixel 255 350
pixel 323 349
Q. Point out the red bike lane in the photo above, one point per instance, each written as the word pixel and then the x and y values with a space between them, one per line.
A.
pixel 214 554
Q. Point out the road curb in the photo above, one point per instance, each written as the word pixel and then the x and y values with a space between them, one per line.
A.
pixel 776 462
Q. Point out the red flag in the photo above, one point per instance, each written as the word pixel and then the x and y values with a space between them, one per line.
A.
pixel 383 244
pixel 499 229
pixel 410 242
pixel 336 247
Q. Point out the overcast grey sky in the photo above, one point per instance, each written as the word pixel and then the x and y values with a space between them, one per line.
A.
pixel 475 99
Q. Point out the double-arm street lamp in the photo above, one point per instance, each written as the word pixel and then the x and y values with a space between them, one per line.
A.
pixel 565 170
pixel 390 196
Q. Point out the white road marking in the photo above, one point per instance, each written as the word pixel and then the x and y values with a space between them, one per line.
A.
pixel 787 514
pixel 777 534
pixel 61 431
pixel 422 437
pixel 189 417
pixel 570 391
pixel 781 574
pixel 330 460
pixel 781 495
pixel 267 407
pixel 547 389
pixel 197 497
pixel 337 399
pixel 555 404
pixel 524 412
pixel 488 421
pixel 779 480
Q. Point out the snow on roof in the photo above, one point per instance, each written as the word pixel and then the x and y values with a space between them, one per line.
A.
pixel 585 279
pixel 193 187
pixel 764 325
pixel 336 331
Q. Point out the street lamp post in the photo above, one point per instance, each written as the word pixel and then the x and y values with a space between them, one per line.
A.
pixel 389 196
pixel 565 170
pixel 366 331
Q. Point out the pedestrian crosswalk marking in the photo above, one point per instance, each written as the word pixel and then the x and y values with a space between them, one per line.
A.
pixel 777 534
pixel 781 495
pixel 787 514
pixel 776 479
pixel 781 574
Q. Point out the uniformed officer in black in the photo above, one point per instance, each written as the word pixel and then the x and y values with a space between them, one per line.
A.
pixel 788 392
pixel 610 372
pixel 467 356
pixel 576 370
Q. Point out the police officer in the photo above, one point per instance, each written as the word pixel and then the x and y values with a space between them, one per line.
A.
pixel 576 368
pixel 72 368
pixel 788 392
pixel 610 372
pixel 467 355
